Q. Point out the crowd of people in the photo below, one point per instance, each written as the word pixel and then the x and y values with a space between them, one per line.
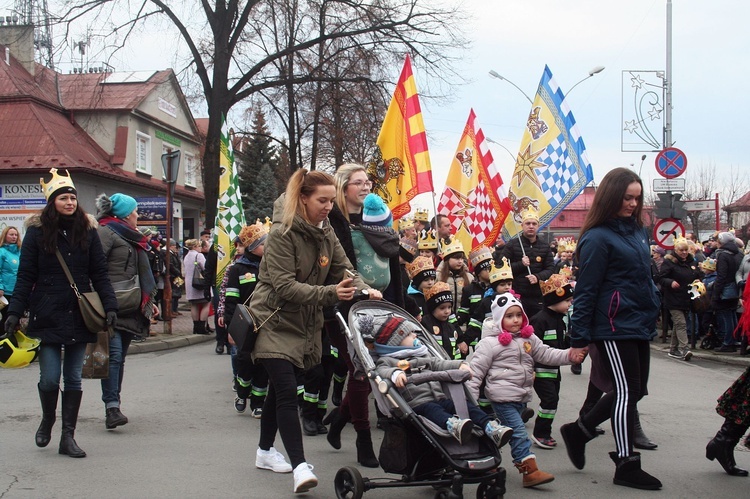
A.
pixel 509 316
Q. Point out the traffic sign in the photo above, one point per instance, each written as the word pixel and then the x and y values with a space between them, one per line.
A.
pixel 671 162
pixel 669 185
pixel 701 205
pixel 665 232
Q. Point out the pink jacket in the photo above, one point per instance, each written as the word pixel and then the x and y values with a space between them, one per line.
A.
pixel 509 370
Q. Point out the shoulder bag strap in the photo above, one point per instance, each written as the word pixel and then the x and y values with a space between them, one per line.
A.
pixel 67 273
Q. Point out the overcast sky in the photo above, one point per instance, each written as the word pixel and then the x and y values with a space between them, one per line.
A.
pixel 517 38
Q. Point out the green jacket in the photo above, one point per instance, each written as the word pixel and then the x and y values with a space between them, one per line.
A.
pixel 293 273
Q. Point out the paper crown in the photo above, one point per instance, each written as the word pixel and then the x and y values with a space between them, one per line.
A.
pixel 529 213
pixel 427 240
pixel 501 273
pixel 405 223
pixel 708 265
pixel 555 284
pixel 479 254
pixel 419 265
pixel 251 236
pixel 566 244
pixel 408 245
pixel 421 216
pixel 696 289
pixel 57 182
pixel 566 272
pixel 680 241
pixel 450 246
pixel 438 293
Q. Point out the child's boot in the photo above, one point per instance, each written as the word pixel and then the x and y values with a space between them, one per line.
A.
pixel 460 429
pixel 498 433
pixel 532 476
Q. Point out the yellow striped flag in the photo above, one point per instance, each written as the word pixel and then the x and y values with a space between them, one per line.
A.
pixel 400 166
pixel 230 217
pixel 474 198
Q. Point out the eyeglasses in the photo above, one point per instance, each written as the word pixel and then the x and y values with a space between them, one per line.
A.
pixel 362 183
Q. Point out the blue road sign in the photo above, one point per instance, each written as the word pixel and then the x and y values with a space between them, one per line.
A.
pixel 671 162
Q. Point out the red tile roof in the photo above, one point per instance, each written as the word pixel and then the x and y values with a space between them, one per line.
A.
pixel 87 92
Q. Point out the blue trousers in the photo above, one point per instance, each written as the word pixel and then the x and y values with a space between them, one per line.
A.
pixel 510 415
pixel 112 386
pixel 439 411
pixel 51 363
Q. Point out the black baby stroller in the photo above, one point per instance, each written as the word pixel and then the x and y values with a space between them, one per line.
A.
pixel 414 447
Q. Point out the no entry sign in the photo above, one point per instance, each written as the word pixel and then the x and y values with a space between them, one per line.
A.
pixel 666 230
pixel 671 162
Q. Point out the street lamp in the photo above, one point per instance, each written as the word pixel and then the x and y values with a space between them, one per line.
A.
pixel 495 74
pixel 596 70
pixel 505 148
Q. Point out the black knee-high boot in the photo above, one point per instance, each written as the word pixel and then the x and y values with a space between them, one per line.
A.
pixel 71 402
pixel 365 454
pixel 49 410
pixel 640 440
pixel 721 447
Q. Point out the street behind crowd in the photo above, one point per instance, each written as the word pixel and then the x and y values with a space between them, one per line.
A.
pixel 185 440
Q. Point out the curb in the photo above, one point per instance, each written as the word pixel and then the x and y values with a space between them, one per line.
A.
pixel 167 343
pixel 728 359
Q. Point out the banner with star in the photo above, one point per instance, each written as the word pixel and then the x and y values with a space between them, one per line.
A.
pixel 400 166
pixel 474 198
pixel 230 217
pixel 552 167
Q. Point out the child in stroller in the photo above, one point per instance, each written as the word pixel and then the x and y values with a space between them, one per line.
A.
pixel 403 356
pixel 421 452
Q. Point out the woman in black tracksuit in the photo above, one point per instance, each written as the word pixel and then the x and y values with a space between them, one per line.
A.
pixel 616 306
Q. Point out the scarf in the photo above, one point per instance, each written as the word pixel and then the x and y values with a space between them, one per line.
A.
pixel 405 353
pixel 140 243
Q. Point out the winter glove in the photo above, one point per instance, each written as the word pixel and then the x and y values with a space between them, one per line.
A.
pixel 111 319
pixel 11 326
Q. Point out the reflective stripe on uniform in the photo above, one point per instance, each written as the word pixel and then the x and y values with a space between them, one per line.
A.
pixel 245 280
pixel 334 352
pixel 550 335
pixel 475 298
pixel 310 397
pixel 259 391
pixel 547 413
pixel 232 292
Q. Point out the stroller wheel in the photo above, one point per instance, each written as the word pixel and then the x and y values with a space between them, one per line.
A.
pixel 489 491
pixel 348 483
pixel 446 493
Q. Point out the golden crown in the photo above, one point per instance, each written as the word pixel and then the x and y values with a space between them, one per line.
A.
pixel 566 272
pixel 450 246
pixel 529 213
pixel 409 245
pixel 421 215
pixel 680 241
pixel 555 284
pixel 420 264
pixel 479 254
pixel 566 244
pixel 428 240
pixel 501 273
pixel 709 265
pixel 57 182
pixel 251 233
pixel 267 224
pixel 405 223
pixel 437 288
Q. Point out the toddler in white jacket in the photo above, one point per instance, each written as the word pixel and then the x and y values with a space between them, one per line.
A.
pixel 504 358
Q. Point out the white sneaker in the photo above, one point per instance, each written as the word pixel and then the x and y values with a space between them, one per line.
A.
pixel 273 460
pixel 304 479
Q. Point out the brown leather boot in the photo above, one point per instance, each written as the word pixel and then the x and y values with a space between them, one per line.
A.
pixel 532 476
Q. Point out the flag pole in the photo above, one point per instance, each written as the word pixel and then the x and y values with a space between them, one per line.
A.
pixel 518 234
pixel 434 208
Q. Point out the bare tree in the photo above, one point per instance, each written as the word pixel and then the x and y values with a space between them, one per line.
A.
pixel 236 49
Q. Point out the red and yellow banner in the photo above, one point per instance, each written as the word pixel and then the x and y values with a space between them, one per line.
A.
pixel 474 198
pixel 400 167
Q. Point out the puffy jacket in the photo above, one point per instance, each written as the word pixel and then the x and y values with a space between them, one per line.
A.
pixel 683 272
pixel 293 274
pixel 415 395
pixel 508 370
pixel 615 296
pixel 10 257
pixel 122 265
pixel 44 291
pixel 542 264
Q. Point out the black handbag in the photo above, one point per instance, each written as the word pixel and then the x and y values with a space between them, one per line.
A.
pixel 730 292
pixel 244 327
pixel 199 280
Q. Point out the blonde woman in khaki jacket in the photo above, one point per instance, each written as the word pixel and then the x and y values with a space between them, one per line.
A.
pixel 302 257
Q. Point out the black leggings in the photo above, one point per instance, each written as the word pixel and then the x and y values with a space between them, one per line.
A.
pixel 628 362
pixel 280 410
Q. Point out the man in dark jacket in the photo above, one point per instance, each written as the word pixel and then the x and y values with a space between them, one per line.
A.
pixel 725 294
pixel 531 261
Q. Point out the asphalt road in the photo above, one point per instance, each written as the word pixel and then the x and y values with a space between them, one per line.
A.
pixel 185 440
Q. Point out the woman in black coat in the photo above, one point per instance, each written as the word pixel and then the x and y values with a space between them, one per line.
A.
pixel 725 295
pixel 54 316
pixel 677 272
